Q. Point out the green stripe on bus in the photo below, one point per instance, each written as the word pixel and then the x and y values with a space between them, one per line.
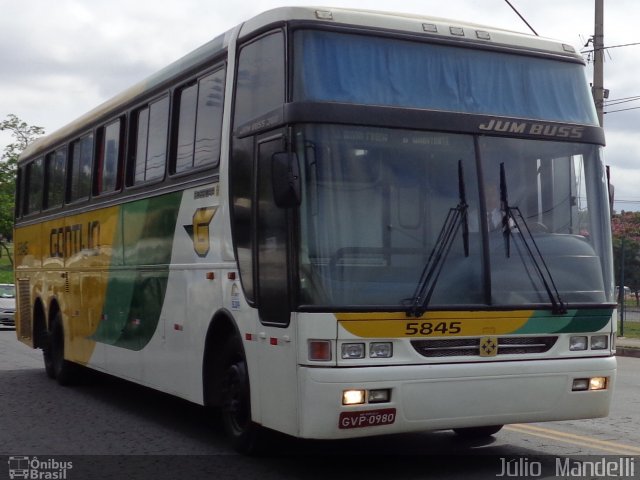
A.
pixel 135 294
pixel 574 321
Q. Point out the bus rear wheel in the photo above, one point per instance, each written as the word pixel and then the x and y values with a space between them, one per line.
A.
pixel 57 367
pixel 236 400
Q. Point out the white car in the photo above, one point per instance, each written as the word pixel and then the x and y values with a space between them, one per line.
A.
pixel 7 305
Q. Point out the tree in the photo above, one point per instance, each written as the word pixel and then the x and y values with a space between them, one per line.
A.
pixel 22 134
pixel 626 227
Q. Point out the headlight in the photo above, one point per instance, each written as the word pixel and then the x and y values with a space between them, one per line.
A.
pixel 352 350
pixel 599 342
pixel 381 350
pixel 578 343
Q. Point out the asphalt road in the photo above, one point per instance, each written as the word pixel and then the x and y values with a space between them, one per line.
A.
pixel 108 428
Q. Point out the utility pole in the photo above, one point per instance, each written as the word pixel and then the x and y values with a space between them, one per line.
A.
pixel 598 61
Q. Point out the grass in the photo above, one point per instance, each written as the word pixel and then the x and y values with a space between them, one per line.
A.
pixel 631 329
pixel 6 269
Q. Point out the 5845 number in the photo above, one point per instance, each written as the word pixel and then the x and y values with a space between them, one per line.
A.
pixel 433 328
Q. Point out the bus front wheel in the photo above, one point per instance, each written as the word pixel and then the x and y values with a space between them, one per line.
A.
pixel 236 400
pixel 474 433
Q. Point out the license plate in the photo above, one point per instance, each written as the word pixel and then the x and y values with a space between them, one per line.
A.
pixel 367 418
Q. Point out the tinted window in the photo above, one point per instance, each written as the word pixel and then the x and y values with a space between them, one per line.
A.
pixel 80 172
pixel 20 192
pixel 109 158
pixel 200 122
pixel 34 186
pixel 209 124
pixel 55 165
pixel 187 127
pixel 141 144
pixel 151 141
pixel 260 86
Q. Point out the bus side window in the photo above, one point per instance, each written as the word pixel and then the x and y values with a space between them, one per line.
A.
pixel 199 127
pixel 187 101
pixel 150 141
pixel 54 169
pixel 33 187
pixel 79 173
pixel 20 192
pixel 209 119
pixel 109 163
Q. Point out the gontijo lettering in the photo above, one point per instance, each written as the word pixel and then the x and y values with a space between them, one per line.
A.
pixel 71 239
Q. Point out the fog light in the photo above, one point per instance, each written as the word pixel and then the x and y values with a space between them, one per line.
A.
pixel 598 383
pixel 353 397
pixel 593 383
pixel 379 396
pixel 599 342
pixel 580 384
pixel 381 350
pixel 578 343
pixel 353 350
pixel 320 350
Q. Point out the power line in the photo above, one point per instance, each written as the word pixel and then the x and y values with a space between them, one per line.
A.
pixel 608 48
pixel 612 103
pixel 623 98
pixel 521 17
pixel 623 110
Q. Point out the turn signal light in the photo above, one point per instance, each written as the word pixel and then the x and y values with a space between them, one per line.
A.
pixel 320 350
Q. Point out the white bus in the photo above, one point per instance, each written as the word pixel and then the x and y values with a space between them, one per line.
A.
pixel 332 224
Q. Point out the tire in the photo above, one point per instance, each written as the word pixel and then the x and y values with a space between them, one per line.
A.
pixel 242 432
pixel 475 433
pixel 64 371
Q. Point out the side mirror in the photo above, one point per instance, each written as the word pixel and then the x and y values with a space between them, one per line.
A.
pixel 285 177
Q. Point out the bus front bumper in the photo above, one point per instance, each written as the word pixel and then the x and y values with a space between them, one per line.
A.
pixel 437 397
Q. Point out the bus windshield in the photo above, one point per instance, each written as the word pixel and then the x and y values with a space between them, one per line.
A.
pixel 374 202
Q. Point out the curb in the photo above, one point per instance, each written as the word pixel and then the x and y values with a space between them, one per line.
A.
pixel 627 352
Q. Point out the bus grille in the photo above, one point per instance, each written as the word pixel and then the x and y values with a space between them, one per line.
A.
pixel 469 347
pixel 24 295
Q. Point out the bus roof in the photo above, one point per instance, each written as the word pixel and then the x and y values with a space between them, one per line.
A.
pixel 411 23
pixel 425 26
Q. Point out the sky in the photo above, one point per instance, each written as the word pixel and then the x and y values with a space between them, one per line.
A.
pixel 59 59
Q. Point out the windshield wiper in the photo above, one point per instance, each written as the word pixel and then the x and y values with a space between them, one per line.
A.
pixel 510 216
pixel 456 218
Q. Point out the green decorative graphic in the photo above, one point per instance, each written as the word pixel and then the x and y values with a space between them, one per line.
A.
pixel 137 280
pixel 574 321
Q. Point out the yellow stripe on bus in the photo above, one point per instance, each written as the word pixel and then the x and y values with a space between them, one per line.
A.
pixel 68 260
pixel 433 324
